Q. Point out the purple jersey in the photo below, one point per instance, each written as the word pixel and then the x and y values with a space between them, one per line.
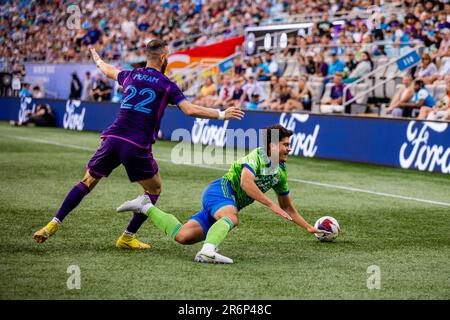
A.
pixel 146 94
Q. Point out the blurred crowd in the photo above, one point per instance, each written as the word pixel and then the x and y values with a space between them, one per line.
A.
pixel 59 31
pixel 327 53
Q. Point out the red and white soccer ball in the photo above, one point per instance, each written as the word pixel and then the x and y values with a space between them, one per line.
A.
pixel 330 224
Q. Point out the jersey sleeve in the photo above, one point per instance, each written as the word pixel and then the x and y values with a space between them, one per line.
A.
pixel 122 76
pixel 251 161
pixel 175 95
pixel 282 188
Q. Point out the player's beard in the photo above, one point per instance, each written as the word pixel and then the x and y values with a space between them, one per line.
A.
pixel 164 66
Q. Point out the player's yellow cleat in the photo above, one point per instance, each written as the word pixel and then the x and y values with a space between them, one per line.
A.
pixel 46 232
pixel 130 242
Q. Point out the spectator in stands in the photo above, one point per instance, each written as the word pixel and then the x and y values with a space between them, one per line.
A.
pixel 379 51
pixel 350 63
pixel 42 117
pixel 235 98
pixel 321 66
pixel 302 99
pixel 421 98
pixel 253 93
pixel 283 95
pixel 325 26
pixel 367 42
pixel 238 68
pixel 207 90
pixel 405 94
pixel 399 36
pixel 101 91
pixel 25 92
pixel 441 109
pixel 428 35
pixel 262 70
pixel 335 102
pixel 309 64
pixel 75 87
pixel 272 95
pixel 444 47
pixel 444 70
pixel 87 87
pixel 225 93
pixel 335 66
pixel 272 65
pixel 426 68
pixel 37 93
pixel 364 66
pixel 290 49
pixel 251 67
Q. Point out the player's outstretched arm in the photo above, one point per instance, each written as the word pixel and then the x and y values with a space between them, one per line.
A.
pixel 109 70
pixel 197 111
pixel 286 204
pixel 251 189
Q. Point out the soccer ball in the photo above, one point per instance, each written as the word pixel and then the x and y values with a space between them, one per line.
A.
pixel 329 224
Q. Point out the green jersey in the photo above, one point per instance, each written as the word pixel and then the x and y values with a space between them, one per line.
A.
pixel 266 177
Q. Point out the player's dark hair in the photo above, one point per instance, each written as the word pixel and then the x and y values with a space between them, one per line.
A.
pixel 273 131
pixel 155 48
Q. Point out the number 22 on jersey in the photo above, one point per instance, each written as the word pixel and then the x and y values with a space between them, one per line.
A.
pixel 141 106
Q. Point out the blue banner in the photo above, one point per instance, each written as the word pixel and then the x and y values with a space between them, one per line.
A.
pixel 421 145
pixel 226 65
pixel 408 61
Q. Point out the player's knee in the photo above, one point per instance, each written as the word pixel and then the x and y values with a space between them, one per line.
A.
pixel 183 238
pixel 90 181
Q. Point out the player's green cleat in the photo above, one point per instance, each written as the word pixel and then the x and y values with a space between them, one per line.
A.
pixel 46 232
pixel 130 242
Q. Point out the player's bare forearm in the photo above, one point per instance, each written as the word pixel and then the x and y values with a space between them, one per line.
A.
pixel 197 111
pixel 251 189
pixel 108 70
pixel 286 204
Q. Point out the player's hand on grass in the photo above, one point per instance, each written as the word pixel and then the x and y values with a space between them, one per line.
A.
pixel 234 113
pixel 280 212
pixel 311 229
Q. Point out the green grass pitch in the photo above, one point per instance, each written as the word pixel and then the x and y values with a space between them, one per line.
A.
pixel 274 259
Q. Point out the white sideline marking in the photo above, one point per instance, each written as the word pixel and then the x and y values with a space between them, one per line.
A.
pixel 321 184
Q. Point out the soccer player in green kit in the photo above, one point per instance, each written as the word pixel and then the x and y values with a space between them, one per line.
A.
pixel 246 181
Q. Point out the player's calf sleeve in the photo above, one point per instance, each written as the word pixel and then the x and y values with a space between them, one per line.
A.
pixel 72 200
pixel 138 219
pixel 165 222
pixel 219 230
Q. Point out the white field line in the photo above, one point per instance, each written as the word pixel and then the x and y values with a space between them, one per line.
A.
pixel 325 185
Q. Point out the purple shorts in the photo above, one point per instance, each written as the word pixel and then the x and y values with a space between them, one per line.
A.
pixel 138 162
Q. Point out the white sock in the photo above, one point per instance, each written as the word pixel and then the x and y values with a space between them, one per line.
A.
pixel 208 247
pixel 146 207
pixel 56 220
pixel 128 233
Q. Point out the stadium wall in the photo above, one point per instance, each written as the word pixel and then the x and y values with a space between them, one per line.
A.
pixel 420 145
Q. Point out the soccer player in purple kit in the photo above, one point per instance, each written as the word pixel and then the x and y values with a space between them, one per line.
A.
pixel 128 141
